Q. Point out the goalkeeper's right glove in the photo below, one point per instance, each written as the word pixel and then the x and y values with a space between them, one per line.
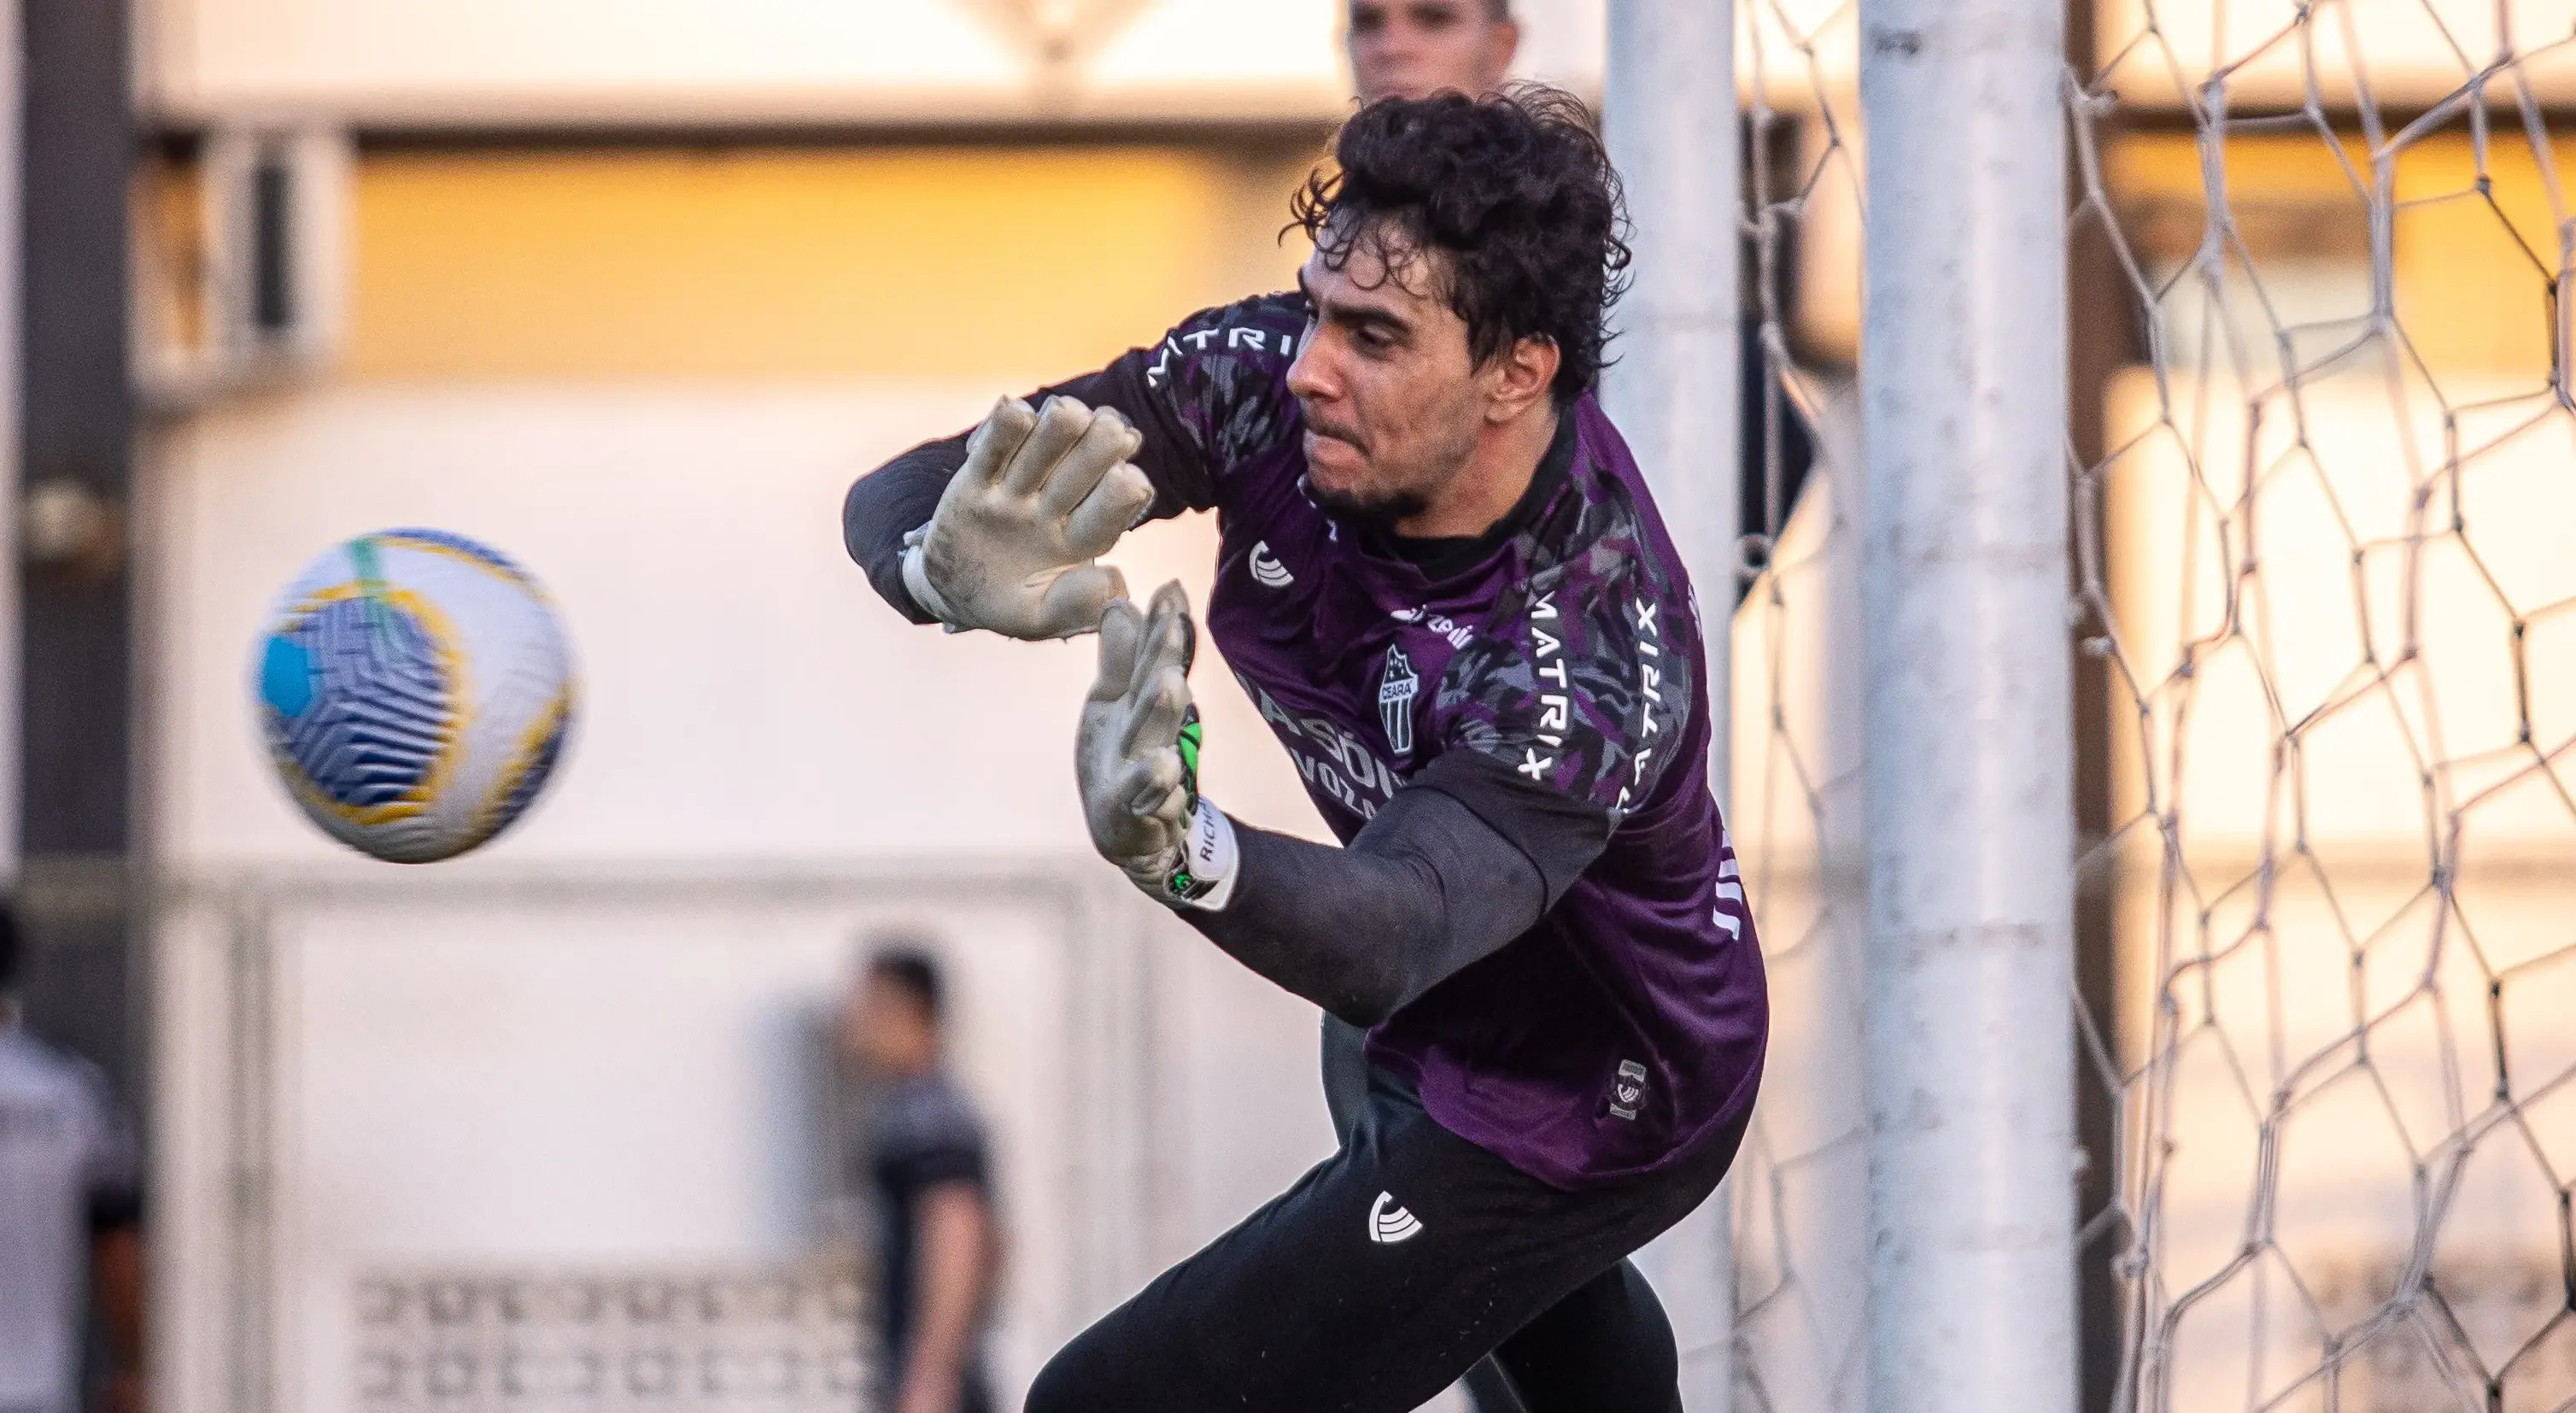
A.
pixel 1136 760
pixel 1042 495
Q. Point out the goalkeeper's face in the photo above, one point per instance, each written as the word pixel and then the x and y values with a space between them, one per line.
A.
pixel 1396 403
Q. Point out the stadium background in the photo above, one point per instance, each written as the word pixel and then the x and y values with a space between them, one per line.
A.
pixel 636 298
pixel 631 293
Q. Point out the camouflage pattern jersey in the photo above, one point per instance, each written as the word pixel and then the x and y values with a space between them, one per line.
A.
pixel 1630 1022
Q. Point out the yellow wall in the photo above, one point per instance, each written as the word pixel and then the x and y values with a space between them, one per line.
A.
pixel 2474 263
pixel 798 263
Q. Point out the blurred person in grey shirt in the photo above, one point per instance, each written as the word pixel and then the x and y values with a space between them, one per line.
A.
pixel 923 1149
pixel 70 1176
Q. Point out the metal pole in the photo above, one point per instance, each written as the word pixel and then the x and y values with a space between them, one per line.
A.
pixel 1670 118
pixel 1966 709
pixel 12 273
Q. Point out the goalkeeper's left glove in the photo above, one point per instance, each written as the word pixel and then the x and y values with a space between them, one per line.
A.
pixel 1014 543
pixel 1137 759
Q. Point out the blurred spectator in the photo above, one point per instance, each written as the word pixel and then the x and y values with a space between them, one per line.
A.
pixel 69 1169
pixel 1415 48
pixel 939 1256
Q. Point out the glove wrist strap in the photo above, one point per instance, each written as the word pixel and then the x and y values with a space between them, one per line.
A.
pixel 916 580
pixel 1209 863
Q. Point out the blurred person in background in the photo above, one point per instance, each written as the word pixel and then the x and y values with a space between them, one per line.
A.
pixel 939 1255
pixel 1416 48
pixel 70 1173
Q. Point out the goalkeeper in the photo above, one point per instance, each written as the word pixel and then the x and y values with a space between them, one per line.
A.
pixel 1443 582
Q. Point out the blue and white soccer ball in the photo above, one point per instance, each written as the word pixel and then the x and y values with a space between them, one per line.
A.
pixel 414 689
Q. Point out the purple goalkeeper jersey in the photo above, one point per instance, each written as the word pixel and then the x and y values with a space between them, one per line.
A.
pixel 1629 1024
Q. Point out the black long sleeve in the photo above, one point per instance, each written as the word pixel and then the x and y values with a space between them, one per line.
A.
pixel 889 503
pixel 1193 396
pixel 1455 867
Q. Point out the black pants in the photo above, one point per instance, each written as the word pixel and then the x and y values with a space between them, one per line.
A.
pixel 1386 1272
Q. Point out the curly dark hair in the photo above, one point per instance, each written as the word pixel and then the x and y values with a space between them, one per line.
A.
pixel 1515 189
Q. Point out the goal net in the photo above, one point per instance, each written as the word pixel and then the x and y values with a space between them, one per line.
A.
pixel 2324 485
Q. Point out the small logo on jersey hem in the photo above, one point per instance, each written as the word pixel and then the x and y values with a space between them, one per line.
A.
pixel 1266 568
pixel 1630 1087
pixel 1396 688
pixel 1389 1223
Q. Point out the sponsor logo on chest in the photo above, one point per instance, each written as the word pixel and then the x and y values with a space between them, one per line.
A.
pixel 1333 759
pixel 1458 634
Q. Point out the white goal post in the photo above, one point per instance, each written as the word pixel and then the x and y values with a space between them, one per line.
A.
pixel 1673 135
pixel 1966 714
pixel 2301 493
pixel 1967 724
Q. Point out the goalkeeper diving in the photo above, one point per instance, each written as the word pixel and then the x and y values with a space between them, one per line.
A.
pixel 1442 580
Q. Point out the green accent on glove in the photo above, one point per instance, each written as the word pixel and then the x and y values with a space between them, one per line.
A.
pixel 1192 734
pixel 1136 747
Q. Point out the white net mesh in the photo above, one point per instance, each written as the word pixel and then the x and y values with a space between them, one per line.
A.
pixel 2325 491
pixel 1801 1183
pixel 2334 590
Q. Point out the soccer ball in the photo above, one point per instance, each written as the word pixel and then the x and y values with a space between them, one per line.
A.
pixel 414 689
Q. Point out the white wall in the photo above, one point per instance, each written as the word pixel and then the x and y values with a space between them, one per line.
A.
pixel 745 694
pixel 567 1048
pixel 602 1087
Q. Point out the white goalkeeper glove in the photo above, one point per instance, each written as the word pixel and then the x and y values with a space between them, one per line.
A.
pixel 1042 495
pixel 1137 759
